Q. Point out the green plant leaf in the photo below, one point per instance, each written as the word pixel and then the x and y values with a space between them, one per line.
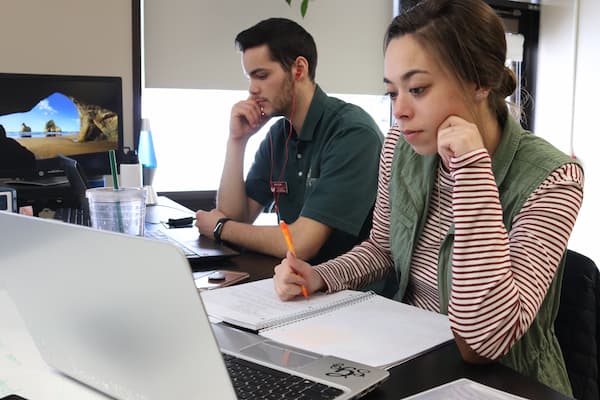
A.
pixel 289 2
pixel 304 7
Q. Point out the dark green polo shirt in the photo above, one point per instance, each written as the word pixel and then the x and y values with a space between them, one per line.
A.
pixel 331 170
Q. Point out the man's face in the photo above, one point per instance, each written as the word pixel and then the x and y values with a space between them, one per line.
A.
pixel 270 85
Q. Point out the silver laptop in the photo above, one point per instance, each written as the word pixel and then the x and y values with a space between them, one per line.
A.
pixel 122 314
pixel 196 247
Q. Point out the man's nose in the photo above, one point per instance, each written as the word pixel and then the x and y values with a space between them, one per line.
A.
pixel 253 88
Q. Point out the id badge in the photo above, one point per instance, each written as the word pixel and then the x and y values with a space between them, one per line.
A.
pixel 279 187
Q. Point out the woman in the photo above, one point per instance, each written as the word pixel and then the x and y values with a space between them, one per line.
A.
pixel 473 213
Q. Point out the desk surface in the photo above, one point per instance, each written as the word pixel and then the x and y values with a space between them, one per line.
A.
pixel 431 369
pixel 25 373
pixel 259 266
pixel 428 370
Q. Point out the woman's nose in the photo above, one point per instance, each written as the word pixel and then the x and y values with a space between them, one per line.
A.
pixel 402 107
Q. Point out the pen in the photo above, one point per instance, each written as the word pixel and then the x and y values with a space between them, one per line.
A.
pixel 290 245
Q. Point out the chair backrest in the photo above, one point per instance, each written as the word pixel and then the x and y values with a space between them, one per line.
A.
pixel 77 179
pixel 577 324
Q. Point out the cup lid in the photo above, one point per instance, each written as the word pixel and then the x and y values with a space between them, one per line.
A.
pixel 109 194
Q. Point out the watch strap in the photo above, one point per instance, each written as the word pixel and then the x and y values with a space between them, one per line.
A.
pixel 219 228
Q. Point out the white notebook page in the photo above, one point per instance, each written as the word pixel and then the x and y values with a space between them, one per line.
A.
pixel 255 305
pixel 376 331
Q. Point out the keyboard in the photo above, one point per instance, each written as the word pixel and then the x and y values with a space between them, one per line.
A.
pixel 72 215
pixel 254 381
pixel 78 216
pixel 160 235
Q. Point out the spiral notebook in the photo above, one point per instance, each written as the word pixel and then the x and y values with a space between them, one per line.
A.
pixel 359 326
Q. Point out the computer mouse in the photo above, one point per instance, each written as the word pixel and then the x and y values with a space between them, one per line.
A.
pixel 216 276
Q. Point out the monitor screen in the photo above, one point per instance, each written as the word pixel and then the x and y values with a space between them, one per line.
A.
pixel 47 115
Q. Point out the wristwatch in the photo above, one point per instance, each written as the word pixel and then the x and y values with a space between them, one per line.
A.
pixel 219 227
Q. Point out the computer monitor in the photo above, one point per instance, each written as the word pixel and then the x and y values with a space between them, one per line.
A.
pixel 49 115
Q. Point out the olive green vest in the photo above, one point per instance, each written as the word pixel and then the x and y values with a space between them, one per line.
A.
pixel 520 164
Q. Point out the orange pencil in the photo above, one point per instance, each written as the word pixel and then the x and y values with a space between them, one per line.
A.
pixel 290 245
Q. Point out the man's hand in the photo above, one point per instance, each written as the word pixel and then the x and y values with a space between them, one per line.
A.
pixel 206 221
pixel 457 137
pixel 294 273
pixel 247 117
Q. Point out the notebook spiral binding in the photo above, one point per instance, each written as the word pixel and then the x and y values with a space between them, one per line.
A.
pixel 275 323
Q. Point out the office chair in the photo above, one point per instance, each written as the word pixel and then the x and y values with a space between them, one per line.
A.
pixel 77 179
pixel 577 324
pixel 79 213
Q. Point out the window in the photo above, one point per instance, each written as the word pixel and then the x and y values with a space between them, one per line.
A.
pixel 190 129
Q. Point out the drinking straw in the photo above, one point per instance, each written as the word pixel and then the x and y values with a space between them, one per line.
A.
pixel 113 171
pixel 113 168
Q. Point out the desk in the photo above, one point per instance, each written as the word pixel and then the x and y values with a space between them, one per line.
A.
pixel 23 371
pixel 444 365
pixel 431 369
pixel 259 266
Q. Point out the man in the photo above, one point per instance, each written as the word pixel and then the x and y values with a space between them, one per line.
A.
pixel 319 173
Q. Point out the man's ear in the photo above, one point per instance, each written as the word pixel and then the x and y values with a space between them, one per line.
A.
pixel 300 66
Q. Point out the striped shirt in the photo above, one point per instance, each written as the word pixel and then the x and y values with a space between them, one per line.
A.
pixel 499 278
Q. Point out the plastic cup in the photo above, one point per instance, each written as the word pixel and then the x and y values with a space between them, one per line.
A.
pixel 122 210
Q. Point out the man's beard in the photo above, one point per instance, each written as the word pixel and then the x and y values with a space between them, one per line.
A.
pixel 282 103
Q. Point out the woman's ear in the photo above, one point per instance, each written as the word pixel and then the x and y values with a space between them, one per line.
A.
pixel 481 94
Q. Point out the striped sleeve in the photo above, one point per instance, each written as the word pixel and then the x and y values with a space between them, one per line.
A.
pixel 372 259
pixel 500 278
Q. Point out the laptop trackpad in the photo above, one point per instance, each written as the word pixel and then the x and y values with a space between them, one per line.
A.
pixel 258 348
pixel 274 353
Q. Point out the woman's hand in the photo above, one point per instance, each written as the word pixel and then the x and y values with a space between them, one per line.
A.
pixel 456 137
pixel 292 274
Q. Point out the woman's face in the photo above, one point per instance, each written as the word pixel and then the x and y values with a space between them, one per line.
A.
pixel 423 95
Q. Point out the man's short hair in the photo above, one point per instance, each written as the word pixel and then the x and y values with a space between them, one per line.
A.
pixel 285 39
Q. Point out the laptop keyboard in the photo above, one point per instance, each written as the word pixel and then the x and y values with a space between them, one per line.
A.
pixel 77 216
pixel 72 215
pixel 254 381
pixel 160 235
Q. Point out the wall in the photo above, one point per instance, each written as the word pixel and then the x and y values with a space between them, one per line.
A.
pixel 190 43
pixel 566 105
pixel 68 37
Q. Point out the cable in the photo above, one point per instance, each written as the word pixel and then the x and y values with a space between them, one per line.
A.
pixel 275 190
